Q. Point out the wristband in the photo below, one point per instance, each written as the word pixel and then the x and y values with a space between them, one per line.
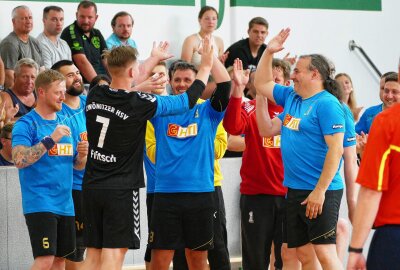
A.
pixel 48 142
pixel 1 87
pixel 355 250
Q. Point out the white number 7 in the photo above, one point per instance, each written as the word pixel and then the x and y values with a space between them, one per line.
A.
pixel 105 121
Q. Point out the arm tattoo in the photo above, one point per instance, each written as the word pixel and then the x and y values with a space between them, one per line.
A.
pixel 24 156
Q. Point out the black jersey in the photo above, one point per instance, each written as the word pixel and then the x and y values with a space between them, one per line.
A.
pixel 116 126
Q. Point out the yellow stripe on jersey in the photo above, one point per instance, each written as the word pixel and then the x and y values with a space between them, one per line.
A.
pixel 383 162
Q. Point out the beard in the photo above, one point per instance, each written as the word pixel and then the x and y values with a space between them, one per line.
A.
pixel 73 91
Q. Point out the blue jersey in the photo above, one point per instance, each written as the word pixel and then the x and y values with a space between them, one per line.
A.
pixel 77 120
pixel 305 122
pixel 185 150
pixel 350 134
pixel 366 119
pixel 46 185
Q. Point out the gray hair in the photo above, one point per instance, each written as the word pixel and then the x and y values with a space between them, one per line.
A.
pixel 14 11
pixel 25 62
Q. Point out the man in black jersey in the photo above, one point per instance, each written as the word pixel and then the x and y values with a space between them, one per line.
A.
pixel 116 124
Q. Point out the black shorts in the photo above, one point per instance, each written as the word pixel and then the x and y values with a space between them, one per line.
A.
pixel 77 256
pixel 111 218
pixel 149 204
pixel 51 234
pixel 302 230
pixel 182 220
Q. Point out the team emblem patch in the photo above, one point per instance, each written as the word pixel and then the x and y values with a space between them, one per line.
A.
pixel 291 122
pixel 61 149
pixel 96 42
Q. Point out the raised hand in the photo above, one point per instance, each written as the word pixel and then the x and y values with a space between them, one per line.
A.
pixel 240 76
pixel 276 44
pixel 291 60
pixel 207 52
pixel 152 83
pixel 161 51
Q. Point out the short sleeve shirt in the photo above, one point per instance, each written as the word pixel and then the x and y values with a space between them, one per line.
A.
pixel 380 165
pixel 305 122
pixel 92 46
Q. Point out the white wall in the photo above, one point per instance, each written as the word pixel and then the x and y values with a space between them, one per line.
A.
pixel 313 31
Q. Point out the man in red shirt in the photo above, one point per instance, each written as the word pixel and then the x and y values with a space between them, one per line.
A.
pixel 378 200
pixel 262 192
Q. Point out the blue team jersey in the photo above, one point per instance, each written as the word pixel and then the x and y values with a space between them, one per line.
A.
pixel 305 122
pixel 366 119
pixel 77 120
pixel 150 173
pixel 185 150
pixel 350 133
pixel 46 185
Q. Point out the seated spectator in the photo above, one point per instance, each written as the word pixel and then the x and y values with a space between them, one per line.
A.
pixel 5 145
pixel 19 44
pixel 86 42
pixel 208 19
pixel 20 99
pixel 249 50
pixel 122 25
pixel 54 48
pixel 348 98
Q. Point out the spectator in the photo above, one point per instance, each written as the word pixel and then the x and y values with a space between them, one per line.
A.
pixel 5 144
pixel 368 116
pixel 86 42
pixel 312 112
pixel 208 19
pixel 378 203
pixel 45 154
pixel 249 50
pixel 122 25
pixel 73 108
pixel 19 44
pixel 54 48
pixel 346 84
pixel 21 99
pixel 114 171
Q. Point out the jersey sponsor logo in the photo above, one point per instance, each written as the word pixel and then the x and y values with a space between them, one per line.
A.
pixel 101 157
pixel 248 107
pixel 197 115
pixel 177 131
pixel 272 142
pixel 61 149
pixel 291 122
pixel 351 139
pixel 337 126
pixel 146 96
pixel 83 136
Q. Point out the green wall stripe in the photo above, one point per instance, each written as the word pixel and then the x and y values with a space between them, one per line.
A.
pixel 374 5
pixel 137 2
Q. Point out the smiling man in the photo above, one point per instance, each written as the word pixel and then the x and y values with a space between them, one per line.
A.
pixel 45 153
pixel 86 42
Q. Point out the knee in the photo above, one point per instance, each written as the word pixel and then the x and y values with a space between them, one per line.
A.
pixel 44 262
pixel 305 254
pixel 342 228
pixel 288 254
